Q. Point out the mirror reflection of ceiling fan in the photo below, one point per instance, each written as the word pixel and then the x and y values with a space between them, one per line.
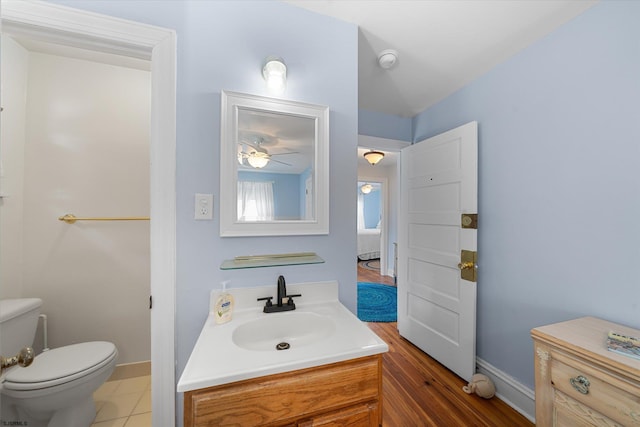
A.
pixel 253 153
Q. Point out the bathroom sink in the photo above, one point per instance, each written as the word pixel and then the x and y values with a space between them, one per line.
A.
pixel 320 331
pixel 283 331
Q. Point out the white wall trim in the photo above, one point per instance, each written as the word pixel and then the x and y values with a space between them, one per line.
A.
pixel 511 391
pixel 77 28
pixel 377 143
pixel 392 145
pixel 74 27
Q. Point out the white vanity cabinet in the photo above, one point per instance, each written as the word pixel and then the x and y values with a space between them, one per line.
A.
pixel 580 383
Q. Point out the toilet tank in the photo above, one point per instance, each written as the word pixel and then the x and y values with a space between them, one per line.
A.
pixel 18 324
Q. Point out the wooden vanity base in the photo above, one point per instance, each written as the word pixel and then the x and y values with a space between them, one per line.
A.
pixel 338 394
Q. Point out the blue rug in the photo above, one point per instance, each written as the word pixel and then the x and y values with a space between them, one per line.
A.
pixel 377 302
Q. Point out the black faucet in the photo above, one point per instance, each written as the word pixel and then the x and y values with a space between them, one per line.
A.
pixel 282 290
pixel 281 295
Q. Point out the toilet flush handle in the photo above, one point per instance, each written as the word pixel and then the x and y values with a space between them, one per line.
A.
pixel 24 359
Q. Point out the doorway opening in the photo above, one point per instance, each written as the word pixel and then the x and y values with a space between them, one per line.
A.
pixel 85 152
pixel 371 250
pixel 95 32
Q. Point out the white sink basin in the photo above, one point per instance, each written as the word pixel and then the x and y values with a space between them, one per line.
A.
pixel 283 331
pixel 319 331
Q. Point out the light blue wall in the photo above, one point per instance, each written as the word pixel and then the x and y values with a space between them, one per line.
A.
pixel 559 182
pixel 382 125
pixel 371 204
pixel 221 45
pixel 286 191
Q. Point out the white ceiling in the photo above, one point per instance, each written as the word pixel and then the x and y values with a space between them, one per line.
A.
pixel 442 44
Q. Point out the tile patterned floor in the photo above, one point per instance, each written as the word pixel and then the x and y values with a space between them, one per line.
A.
pixel 124 403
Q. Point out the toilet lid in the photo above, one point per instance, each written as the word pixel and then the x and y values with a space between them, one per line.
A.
pixel 62 364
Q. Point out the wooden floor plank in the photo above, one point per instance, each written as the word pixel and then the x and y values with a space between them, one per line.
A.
pixel 420 392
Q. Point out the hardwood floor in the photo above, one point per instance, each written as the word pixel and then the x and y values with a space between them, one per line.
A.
pixel 418 391
pixel 367 275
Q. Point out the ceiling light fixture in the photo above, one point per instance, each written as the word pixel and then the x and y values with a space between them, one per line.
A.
pixel 258 159
pixel 274 72
pixel 387 58
pixel 366 188
pixel 373 157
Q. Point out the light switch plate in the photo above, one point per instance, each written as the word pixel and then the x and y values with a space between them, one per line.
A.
pixel 203 206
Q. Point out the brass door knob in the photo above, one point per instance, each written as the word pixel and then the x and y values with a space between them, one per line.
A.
pixel 466 265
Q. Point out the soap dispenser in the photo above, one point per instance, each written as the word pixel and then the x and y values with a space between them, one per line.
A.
pixel 223 308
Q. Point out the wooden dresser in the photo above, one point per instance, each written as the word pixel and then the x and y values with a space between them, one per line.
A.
pixel 579 382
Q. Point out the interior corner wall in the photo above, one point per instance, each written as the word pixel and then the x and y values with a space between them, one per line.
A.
pixel 372 123
pixel 15 65
pixel 559 190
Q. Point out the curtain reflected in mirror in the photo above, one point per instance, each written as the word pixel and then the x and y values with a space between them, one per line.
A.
pixel 255 201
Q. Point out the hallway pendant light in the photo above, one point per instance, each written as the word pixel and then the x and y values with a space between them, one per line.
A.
pixel 373 157
pixel 366 188
pixel 274 72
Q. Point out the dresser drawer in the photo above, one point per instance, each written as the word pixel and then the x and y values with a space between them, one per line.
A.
pixel 568 412
pixel 605 393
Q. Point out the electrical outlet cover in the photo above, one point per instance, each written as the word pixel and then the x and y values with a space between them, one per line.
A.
pixel 203 206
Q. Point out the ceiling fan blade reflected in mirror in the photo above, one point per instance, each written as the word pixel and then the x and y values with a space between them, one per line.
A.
pixel 282 163
pixel 275 141
pixel 256 139
pixel 282 154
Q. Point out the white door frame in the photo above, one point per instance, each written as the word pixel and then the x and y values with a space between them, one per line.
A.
pixel 384 144
pixel 88 30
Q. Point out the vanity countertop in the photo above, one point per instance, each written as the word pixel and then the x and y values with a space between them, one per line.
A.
pixel 217 360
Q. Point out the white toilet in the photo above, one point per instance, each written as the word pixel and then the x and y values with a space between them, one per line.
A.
pixel 56 389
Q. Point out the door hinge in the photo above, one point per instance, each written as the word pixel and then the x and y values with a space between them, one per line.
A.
pixel 150 302
pixel 468 266
pixel 468 220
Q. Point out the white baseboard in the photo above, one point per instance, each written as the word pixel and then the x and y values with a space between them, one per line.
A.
pixel 508 389
pixel 131 370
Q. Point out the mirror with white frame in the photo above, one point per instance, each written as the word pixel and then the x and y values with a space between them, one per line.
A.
pixel 274 167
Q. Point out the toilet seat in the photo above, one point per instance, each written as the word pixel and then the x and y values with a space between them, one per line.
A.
pixel 60 366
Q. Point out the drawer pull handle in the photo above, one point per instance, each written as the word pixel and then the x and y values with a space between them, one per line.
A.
pixel 581 384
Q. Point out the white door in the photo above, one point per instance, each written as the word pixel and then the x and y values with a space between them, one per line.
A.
pixel 436 308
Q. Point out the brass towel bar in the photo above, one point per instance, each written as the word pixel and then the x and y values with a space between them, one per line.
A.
pixel 71 218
